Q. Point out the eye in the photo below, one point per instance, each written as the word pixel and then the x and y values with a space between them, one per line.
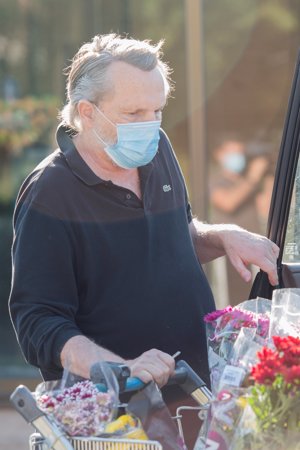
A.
pixel 130 114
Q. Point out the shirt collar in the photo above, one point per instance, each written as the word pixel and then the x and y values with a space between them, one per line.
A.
pixel 73 158
pixel 77 163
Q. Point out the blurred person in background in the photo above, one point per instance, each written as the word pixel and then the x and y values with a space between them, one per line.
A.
pixel 240 192
pixel 107 256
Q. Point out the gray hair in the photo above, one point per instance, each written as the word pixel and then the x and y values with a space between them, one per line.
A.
pixel 87 74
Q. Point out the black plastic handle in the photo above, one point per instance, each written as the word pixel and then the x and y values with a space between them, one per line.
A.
pixel 184 376
pixel 191 381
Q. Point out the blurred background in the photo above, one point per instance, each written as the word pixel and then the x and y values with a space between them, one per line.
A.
pixel 233 64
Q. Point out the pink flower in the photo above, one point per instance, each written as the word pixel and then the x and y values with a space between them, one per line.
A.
pixel 211 317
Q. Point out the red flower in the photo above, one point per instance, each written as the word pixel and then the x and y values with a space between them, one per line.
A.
pixel 266 370
pixel 292 375
pixel 286 343
pixel 291 358
pixel 263 374
pixel 269 357
pixel 288 349
pixel 285 361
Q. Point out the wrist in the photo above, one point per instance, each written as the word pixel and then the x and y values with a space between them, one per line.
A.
pixel 211 241
pixel 219 235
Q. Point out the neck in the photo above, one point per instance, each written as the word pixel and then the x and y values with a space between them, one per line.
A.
pixel 97 159
pixel 102 165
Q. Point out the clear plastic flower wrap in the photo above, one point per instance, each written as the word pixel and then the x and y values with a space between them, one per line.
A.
pixel 223 328
pixel 264 413
pixel 229 403
pixel 242 358
pixel 271 418
pixel 78 407
pixel 285 313
pixel 260 406
pixel 226 410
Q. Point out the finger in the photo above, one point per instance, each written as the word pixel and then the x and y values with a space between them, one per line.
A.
pixel 149 363
pixel 167 359
pixel 139 369
pixel 160 371
pixel 271 252
pixel 273 278
pixel 144 375
pixel 153 373
pixel 159 358
pixel 270 268
pixel 241 268
pixel 275 250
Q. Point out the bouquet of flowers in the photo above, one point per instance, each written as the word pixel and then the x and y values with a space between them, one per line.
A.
pixel 81 410
pixel 223 328
pixel 262 409
pixel 79 406
pixel 274 399
pixel 91 408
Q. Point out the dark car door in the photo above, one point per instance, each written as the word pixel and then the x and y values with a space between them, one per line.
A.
pixel 284 216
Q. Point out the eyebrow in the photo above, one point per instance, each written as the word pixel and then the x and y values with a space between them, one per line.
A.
pixel 139 110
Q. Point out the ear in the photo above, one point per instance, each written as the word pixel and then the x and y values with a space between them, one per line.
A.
pixel 86 112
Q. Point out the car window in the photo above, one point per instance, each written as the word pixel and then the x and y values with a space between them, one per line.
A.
pixel 291 252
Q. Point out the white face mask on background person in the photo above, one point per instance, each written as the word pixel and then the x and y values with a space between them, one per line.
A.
pixel 234 162
pixel 137 142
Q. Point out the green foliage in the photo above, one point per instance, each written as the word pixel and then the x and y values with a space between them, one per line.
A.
pixel 26 122
pixel 276 408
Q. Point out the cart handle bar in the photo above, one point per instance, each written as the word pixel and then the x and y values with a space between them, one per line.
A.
pixel 183 375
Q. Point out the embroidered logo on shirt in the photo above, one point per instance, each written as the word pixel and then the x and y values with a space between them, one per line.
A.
pixel 167 188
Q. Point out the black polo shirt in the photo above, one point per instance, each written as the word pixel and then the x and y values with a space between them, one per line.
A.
pixel 91 258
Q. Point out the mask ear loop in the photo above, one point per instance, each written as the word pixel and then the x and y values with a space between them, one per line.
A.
pixel 102 114
pixel 98 137
pixel 108 120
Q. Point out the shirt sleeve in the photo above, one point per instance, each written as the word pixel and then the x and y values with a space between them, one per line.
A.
pixel 44 298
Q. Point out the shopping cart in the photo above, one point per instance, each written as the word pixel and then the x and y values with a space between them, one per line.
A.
pixel 50 436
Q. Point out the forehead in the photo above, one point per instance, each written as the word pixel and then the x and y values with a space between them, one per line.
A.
pixel 232 147
pixel 131 85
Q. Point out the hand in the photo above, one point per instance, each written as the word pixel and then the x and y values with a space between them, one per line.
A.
pixel 244 248
pixel 153 365
pixel 257 169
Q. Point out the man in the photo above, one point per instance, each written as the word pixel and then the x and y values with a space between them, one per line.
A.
pixel 106 255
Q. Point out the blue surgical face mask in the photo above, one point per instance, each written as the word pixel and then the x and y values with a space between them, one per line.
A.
pixel 137 143
pixel 234 162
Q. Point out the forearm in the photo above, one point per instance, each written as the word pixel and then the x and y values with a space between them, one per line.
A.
pixel 79 354
pixel 208 239
pixel 240 246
